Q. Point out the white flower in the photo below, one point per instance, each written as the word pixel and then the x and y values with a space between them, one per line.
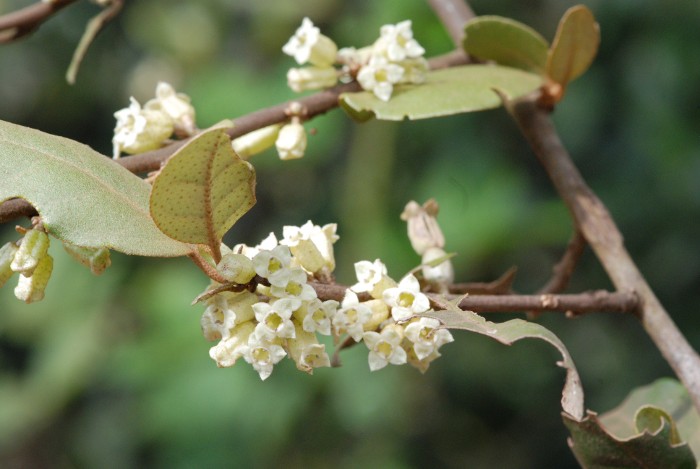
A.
pixel 140 130
pixel 230 349
pixel 415 71
pixel 236 268
pixel 262 355
pixel 379 76
pixel 275 319
pixel 256 141
pixel 396 42
pixel 311 78
pixel 427 336
pixel 268 262
pixel 291 141
pixel 175 105
pixel 370 275
pixel 406 300
pixel 291 283
pixel 225 310
pixel 312 245
pixel 309 45
pixel 421 364
pixel 307 352
pixel 317 316
pixel 385 347
pixel 351 317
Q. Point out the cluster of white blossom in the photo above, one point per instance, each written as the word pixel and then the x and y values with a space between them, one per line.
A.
pixel 395 58
pixel 282 315
pixel 140 129
pixel 29 257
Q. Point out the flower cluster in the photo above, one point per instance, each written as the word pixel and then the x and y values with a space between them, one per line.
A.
pixel 395 58
pixel 29 257
pixel 140 129
pixel 271 311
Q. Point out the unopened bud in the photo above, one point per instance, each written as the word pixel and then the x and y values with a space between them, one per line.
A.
pixel 7 254
pixel 96 259
pixel 32 249
pixel 423 229
pixel 31 289
pixel 311 78
pixel 236 268
pixel 256 141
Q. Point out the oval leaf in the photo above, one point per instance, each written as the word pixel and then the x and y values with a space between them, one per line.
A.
pixel 575 45
pixel 511 331
pixel 506 42
pixel 83 197
pixel 445 92
pixel 595 447
pixel 203 190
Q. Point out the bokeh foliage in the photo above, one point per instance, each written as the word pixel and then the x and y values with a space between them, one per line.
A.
pixel 113 371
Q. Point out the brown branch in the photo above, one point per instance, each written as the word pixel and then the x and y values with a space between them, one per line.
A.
pixel 580 303
pixel 315 104
pixel 22 22
pixel 601 233
pixel 572 304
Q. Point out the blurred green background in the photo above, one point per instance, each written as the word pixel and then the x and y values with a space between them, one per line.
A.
pixel 113 371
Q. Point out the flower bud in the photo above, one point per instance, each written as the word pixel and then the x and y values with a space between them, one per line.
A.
pixel 311 78
pixel 7 254
pixel 256 141
pixel 380 313
pixel 31 288
pixel 423 229
pixel 32 249
pixel 96 259
pixel 236 268
pixel 291 141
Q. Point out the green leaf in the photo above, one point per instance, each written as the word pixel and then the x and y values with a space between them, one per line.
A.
pixel 445 92
pixel 574 47
pixel 511 331
pixel 594 447
pixel 203 190
pixel 83 197
pixel 506 42
pixel 666 394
